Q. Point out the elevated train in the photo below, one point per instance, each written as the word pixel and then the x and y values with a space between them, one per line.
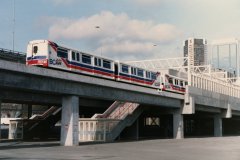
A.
pixel 48 54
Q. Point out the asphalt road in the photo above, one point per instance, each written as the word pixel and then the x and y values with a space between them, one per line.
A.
pixel 226 148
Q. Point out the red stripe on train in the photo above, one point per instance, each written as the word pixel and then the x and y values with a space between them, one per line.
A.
pixel 43 62
pixel 87 70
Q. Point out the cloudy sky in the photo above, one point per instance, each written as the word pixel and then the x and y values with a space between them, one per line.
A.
pixel 119 29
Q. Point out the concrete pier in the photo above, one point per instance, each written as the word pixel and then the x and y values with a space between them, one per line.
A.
pixel 29 110
pixel 0 119
pixel 217 126
pixel 178 130
pixel 69 121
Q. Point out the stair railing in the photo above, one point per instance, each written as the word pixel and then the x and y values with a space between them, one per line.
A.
pixel 122 111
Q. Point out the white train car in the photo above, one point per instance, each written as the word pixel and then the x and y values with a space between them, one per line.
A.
pixel 173 84
pixel 136 75
pixel 48 54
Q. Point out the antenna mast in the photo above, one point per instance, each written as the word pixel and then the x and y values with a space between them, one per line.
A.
pixel 13 32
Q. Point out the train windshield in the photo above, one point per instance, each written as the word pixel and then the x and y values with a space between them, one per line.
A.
pixel 35 49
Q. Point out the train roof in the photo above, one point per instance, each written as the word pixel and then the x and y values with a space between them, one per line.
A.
pixel 37 41
pixel 74 49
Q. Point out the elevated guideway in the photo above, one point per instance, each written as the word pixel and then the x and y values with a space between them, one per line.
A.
pixel 69 88
pixel 203 93
pixel 18 78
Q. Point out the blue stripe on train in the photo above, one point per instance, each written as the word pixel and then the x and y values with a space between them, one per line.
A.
pixel 130 76
pixel 36 57
pixel 89 67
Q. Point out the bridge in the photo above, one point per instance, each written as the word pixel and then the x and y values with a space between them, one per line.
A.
pixel 34 85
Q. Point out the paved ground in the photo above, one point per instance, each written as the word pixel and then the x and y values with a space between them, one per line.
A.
pixel 227 148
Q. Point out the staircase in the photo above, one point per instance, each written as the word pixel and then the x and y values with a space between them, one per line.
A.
pixel 38 126
pixel 109 125
pixel 128 121
pixel 47 113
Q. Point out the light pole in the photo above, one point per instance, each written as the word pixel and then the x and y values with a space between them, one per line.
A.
pixel 98 27
pixel 13 32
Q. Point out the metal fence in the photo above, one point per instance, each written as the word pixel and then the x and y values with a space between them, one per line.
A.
pixel 11 55
pixel 95 129
pixel 213 84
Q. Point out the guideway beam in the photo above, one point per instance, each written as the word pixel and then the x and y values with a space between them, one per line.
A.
pixel 69 121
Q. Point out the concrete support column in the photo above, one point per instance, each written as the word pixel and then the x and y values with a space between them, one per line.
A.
pixel 217 126
pixel 178 130
pixel 137 130
pixel 29 110
pixel 69 121
pixel 0 119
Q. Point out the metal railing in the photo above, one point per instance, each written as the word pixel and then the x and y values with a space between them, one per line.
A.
pixel 12 55
pixel 95 129
pixel 15 129
pixel 100 126
pixel 214 85
pixel 45 114
pixel 111 109
pixel 122 111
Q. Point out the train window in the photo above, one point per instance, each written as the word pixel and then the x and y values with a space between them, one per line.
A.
pixel 140 72
pixel 170 80
pixel 181 83
pixel 186 83
pixel 73 56
pixel 106 64
pixel 86 59
pixel 134 71
pixel 124 68
pixel 153 75
pixel 78 56
pixel 97 62
pixel 61 52
pixel 148 74
pixel 35 49
pixel 176 82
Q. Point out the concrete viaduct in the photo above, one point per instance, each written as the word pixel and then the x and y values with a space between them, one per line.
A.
pixel 21 83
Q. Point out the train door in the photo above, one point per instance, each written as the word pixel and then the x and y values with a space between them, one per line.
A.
pixel 116 69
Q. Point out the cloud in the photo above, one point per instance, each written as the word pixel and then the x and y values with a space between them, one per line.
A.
pixel 209 18
pixel 127 50
pixel 116 34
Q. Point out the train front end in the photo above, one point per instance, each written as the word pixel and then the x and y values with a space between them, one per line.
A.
pixel 38 53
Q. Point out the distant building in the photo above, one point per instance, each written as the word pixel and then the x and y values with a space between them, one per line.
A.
pixel 196 50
